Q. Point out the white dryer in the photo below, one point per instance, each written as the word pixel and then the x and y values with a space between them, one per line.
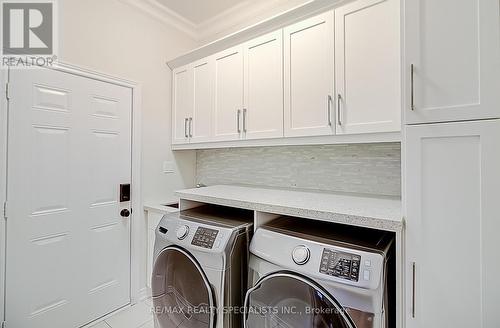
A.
pixel 200 267
pixel 309 274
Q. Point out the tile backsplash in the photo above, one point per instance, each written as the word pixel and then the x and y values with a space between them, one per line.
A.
pixel 360 168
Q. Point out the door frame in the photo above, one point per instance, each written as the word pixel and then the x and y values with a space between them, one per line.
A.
pixel 137 290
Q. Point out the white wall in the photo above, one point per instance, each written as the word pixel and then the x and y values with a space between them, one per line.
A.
pixel 117 39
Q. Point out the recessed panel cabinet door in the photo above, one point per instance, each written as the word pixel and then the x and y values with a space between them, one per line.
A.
pixel 454 47
pixel 452 226
pixel 200 124
pixel 228 109
pixel 182 104
pixel 263 112
pixel 309 76
pixel 367 66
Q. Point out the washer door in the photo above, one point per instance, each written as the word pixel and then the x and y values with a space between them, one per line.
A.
pixel 286 299
pixel 182 295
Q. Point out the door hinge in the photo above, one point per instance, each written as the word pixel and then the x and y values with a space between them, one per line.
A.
pixel 4 215
pixel 4 324
pixel 7 95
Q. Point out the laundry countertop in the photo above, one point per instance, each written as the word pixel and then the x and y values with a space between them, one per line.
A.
pixel 378 212
pixel 161 207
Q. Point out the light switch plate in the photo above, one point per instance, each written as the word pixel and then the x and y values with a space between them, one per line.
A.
pixel 168 167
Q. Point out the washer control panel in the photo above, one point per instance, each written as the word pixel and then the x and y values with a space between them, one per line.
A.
pixel 340 265
pixel 204 237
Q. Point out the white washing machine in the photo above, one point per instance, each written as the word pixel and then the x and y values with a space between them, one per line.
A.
pixel 309 274
pixel 201 267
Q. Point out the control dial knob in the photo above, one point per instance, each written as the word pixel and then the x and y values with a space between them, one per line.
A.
pixel 182 232
pixel 301 254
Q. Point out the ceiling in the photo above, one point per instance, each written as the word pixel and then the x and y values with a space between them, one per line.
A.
pixel 199 11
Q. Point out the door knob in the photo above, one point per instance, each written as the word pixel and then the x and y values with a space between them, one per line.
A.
pixel 125 213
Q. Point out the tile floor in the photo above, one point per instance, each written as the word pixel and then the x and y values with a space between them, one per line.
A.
pixel 136 316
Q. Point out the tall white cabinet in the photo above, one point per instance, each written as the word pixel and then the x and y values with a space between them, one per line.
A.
pixel 452 192
pixel 452 163
pixel 368 67
pixel 452 55
pixel 309 76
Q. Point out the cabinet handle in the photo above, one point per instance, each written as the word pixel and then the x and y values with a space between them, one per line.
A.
pixel 190 127
pixel 329 101
pixel 185 127
pixel 238 120
pixel 339 109
pixel 244 120
pixel 412 87
pixel 414 286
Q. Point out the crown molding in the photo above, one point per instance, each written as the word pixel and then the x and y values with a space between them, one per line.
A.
pixel 165 15
pixel 235 16
pixel 284 18
pixel 212 28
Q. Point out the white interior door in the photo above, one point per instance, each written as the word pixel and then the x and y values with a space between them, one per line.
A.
pixel 228 94
pixel 454 47
pixel 368 98
pixel 309 76
pixel 263 117
pixel 452 225
pixel 68 257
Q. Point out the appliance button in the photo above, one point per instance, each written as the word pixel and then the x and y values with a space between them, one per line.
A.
pixel 182 232
pixel 366 275
pixel 368 263
pixel 301 255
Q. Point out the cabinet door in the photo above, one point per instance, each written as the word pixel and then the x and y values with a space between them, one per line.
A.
pixel 309 76
pixel 228 94
pixel 182 104
pixel 367 67
pixel 452 210
pixel 454 47
pixel 201 122
pixel 263 116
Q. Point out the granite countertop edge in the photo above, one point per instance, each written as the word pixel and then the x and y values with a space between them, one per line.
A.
pixel 390 224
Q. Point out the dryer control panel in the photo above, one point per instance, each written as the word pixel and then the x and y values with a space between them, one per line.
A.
pixel 204 237
pixel 341 265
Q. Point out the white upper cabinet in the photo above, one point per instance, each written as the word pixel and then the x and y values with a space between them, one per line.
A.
pixel 337 73
pixel 367 67
pixel 452 224
pixel 203 82
pixel 309 76
pixel 263 98
pixel 182 104
pixel 454 47
pixel 227 122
